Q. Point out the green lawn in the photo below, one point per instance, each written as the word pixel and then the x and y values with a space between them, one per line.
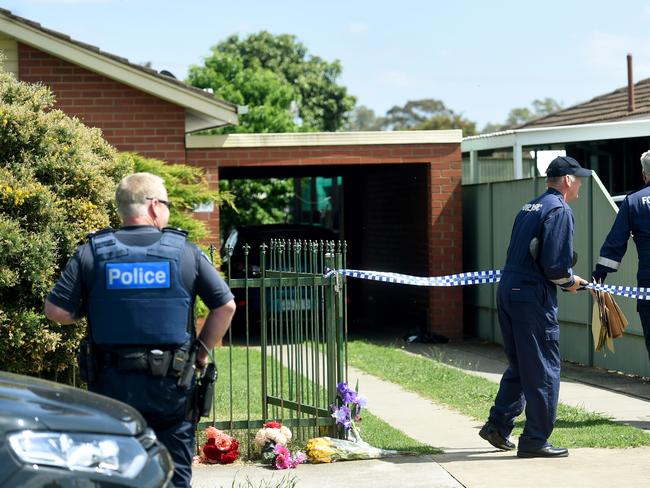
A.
pixel 245 398
pixel 473 396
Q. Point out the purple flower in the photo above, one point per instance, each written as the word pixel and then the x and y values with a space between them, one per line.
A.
pixel 347 394
pixel 362 401
pixel 342 416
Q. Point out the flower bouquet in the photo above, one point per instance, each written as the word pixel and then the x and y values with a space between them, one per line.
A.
pixel 220 448
pixel 272 440
pixel 329 450
pixel 348 415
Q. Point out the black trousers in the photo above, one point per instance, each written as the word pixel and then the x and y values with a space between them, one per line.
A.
pixel 163 405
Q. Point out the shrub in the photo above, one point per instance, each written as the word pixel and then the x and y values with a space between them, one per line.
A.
pixel 57 184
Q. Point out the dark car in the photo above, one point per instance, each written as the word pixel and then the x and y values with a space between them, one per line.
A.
pixel 234 259
pixel 232 251
pixel 60 436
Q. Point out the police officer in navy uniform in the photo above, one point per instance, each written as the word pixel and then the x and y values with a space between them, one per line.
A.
pixel 633 219
pixel 540 258
pixel 137 286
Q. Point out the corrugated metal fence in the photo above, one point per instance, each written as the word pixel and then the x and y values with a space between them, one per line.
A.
pixel 489 210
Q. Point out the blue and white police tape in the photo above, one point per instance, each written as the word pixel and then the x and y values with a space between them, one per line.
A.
pixel 474 278
pixel 460 279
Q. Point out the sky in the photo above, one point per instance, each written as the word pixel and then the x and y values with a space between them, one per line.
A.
pixel 480 58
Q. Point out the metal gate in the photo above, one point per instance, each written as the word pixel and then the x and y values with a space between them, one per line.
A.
pixel 293 327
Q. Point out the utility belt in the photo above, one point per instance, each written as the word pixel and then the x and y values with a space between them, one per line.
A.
pixel 156 362
pixel 176 363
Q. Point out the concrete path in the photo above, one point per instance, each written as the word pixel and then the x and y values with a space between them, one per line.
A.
pixel 468 461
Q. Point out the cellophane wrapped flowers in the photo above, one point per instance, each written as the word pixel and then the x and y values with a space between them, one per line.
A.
pixel 329 450
pixel 220 448
pixel 348 415
pixel 272 440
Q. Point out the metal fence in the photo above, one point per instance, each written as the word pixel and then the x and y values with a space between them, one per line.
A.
pixel 290 333
pixel 489 210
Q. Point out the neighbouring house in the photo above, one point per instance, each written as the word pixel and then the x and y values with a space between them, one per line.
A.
pixel 396 197
pixel 607 134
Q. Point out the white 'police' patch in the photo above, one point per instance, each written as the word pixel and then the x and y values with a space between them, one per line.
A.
pixel 127 276
pixel 532 207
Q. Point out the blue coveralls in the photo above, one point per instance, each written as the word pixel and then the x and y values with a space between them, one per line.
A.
pixel 633 218
pixel 527 308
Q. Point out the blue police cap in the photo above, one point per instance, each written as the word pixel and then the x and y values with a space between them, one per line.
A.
pixel 565 165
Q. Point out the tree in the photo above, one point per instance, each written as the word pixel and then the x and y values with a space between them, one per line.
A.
pixel 521 115
pixel 426 114
pixel 266 201
pixel 276 63
pixel 266 93
pixel 363 119
pixel 286 89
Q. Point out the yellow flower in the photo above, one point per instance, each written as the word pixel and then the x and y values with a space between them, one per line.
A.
pixel 319 450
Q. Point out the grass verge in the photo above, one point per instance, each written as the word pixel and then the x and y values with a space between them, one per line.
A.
pixel 473 396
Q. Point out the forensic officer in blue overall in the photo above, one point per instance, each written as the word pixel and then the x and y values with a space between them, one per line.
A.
pixel 540 258
pixel 137 286
pixel 633 219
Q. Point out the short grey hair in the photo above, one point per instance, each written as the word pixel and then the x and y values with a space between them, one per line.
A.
pixel 556 180
pixel 645 162
pixel 132 193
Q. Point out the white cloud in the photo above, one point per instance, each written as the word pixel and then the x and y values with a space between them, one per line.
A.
pixel 357 27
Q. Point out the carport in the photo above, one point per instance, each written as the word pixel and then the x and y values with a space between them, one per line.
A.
pixel 399 203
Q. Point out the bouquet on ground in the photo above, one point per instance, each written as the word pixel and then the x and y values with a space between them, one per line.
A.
pixel 272 440
pixel 220 448
pixel 348 415
pixel 329 450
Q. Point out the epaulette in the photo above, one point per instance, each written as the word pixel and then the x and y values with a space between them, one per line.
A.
pixel 96 233
pixel 176 230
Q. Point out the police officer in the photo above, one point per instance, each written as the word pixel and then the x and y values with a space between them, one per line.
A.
pixel 527 308
pixel 137 286
pixel 633 218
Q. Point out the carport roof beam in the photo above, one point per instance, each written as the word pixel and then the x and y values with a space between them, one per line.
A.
pixel 294 139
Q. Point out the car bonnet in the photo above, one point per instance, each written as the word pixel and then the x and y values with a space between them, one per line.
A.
pixel 31 403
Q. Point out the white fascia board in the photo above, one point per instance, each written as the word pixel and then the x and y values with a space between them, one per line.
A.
pixel 195 121
pixel 560 134
pixel 222 112
pixel 323 139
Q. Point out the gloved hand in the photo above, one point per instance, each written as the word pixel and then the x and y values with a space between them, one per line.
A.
pixel 599 274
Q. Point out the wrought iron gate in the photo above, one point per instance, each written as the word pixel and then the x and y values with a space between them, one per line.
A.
pixel 293 326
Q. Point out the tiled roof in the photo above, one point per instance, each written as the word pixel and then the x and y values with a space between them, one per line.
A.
pixel 89 47
pixel 611 107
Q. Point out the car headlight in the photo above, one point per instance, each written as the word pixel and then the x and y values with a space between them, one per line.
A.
pixel 99 453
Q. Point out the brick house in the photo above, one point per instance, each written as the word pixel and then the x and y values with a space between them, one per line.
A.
pixel 399 201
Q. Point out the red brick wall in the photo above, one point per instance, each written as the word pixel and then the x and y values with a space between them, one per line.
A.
pixel 446 242
pixel 426 204
pixel 131 120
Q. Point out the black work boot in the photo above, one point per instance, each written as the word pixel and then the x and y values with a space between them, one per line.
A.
pixel 490 433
